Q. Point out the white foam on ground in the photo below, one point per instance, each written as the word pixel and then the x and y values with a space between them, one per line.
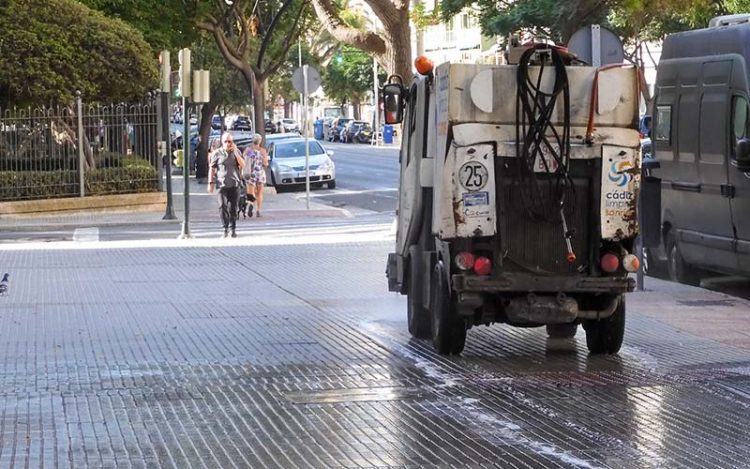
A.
pixel 86 235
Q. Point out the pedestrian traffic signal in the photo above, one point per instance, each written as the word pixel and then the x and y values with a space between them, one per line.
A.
pixel 165 71
pixel 183 89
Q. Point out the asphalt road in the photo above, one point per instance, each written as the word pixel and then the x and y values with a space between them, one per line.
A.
pixel 366 178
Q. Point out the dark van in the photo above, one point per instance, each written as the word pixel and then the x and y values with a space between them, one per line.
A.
pixel 699 137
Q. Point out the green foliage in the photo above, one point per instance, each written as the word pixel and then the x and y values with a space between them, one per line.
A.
pixel 51 48
pixel 348 77
pixel 634 20
pixel 422 18
pixel 171 28
pixel 28 185
pixel 228 88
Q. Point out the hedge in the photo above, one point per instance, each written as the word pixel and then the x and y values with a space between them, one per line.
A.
pixel 131 178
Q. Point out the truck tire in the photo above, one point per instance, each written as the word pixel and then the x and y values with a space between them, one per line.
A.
pixel 418 315
pixel 561 331
pixel 604 336
pixel 448 328
pixel 679 270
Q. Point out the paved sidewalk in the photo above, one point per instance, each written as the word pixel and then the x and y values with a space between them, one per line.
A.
pixel 296 356
pixel 203 207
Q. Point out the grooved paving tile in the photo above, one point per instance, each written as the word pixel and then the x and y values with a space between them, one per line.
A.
pixel 297 356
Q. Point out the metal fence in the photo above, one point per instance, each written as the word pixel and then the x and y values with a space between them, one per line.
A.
pixel 78 150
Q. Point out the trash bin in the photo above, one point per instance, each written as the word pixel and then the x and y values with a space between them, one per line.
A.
pixel 318 125
pixel 387 134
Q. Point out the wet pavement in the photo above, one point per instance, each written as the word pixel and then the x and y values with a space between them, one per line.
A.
pixel 295 355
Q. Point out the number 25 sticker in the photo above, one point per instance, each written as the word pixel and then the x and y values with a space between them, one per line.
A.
pixel 473 176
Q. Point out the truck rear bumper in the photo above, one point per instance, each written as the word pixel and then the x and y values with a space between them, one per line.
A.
pixel 542 284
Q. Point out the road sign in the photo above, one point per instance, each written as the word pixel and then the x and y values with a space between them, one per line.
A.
pixel 313 80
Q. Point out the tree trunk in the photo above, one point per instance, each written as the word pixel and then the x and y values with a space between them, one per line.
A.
pixel 201 167
pixel 356 107
pixel 397 34
pixel 259 107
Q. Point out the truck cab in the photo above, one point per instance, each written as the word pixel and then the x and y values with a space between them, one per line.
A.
pixel 517 198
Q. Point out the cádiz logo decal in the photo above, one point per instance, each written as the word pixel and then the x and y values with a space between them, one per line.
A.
pixel 618 173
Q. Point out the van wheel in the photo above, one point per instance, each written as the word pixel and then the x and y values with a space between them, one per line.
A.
pixel 679 270
pixel 448 328
pixel 605 335
pixel 562 331
pixel 332 184
pixel 418 315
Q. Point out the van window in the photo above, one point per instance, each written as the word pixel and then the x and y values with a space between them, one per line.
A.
pixel 739 117
pixel 663 131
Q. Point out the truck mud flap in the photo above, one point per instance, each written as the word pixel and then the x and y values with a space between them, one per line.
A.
pixel 650 211
pixel 394 271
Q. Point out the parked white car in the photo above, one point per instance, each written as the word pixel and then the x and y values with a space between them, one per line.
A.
pixel 288 164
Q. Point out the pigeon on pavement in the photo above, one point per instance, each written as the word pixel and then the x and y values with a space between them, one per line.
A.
pixel 4 285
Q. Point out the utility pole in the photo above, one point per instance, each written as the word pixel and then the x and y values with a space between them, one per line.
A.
pixel 184 56
pixel 165 143
pixel 299 57
pixel 375 107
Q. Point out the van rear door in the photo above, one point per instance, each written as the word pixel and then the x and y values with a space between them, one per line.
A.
pixel 713 234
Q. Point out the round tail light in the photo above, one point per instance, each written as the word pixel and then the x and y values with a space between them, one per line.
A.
pixel 464 260
pixel 610 263
pixel 482 266
pixel 631 263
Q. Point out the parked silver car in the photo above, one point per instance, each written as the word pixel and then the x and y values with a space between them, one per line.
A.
pixel 288 164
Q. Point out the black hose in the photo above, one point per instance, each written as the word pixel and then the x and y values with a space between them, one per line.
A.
pixel 535 132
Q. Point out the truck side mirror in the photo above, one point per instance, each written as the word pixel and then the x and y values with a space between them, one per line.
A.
pixel 742 155
pixel 393 103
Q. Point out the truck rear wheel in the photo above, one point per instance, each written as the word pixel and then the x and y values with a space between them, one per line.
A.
pixel 418 315
pixel 605 335
pixel 562 331
pixel 448 328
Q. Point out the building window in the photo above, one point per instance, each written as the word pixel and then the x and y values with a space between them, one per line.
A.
pixel 449 27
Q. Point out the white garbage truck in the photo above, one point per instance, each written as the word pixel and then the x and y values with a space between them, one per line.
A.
pixel 517 197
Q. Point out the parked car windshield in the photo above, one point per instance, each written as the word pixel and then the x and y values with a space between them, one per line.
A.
pixel 296 149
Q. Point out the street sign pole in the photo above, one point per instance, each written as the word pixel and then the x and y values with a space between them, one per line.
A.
pixel 186 167
pixel 375 107
pixel 167 145
pixel 307 141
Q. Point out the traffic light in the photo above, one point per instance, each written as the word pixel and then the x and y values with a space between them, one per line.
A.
pixel 183 89
pixel 165 71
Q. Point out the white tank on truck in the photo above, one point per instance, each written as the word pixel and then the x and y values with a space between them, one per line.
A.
pixel 517 197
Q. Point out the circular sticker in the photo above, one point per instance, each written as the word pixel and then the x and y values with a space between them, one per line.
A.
pixel 473 176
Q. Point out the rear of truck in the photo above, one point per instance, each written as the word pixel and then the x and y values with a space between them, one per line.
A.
pixel 524 205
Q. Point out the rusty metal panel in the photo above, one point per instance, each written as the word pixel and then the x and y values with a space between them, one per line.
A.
pixel 621 181
pixel 468 207
pixel 616 94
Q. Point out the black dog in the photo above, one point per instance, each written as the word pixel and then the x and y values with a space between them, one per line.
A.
pixel 244 204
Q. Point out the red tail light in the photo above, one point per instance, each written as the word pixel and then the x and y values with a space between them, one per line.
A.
pixel 482 266
pixel 610 263
pixel 464 260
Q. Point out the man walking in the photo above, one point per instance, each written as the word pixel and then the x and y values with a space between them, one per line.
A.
pixel 226 170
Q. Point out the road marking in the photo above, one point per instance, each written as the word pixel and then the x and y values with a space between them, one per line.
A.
pixel 86 235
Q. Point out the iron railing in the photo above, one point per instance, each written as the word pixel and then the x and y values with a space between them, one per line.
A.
pixel 79 150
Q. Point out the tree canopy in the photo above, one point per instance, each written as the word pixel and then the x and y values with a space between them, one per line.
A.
pixel 171 28
pixel 348 77
pixel 635 20
pixel 51 48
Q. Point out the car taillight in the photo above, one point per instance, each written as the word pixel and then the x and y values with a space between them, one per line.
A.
pixel 464 260
pixel 610 263
pixel 631 263
pixel 482 266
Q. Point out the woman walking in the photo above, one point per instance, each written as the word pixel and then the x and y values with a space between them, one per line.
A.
pixel 256 160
